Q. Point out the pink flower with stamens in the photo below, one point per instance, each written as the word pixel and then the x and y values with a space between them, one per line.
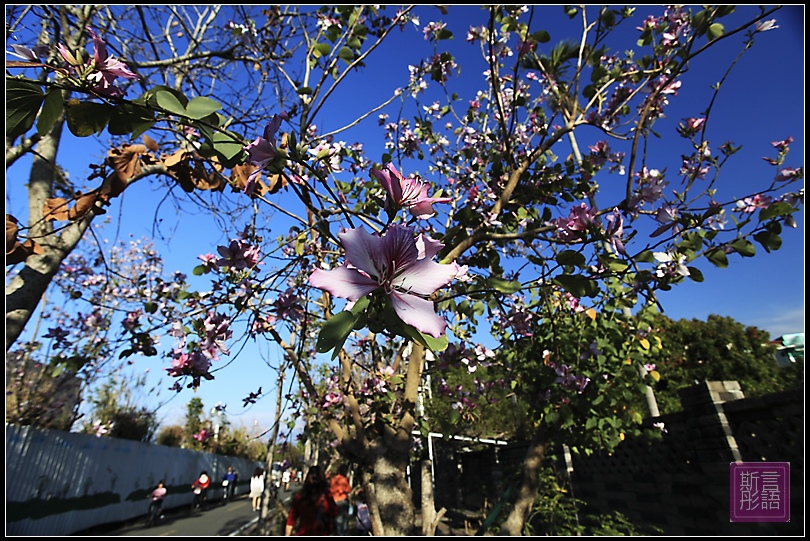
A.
pixel 410 193
pixel 399 264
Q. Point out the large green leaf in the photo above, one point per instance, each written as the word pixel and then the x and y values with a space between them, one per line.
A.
pixel 431 343
pixel 51 109
pixel 201 107
pixel 320 49
pixel 130 119
pixel 774 210
pixel 23 100
pixel 744 248
pixel 168 101
pixel 769 240
pixel 227 144
pixel 85 118
pixel 570 257
pixel 575 284
pixel 335 331
pixel 345 53
pixel 504 286
pixel 718 258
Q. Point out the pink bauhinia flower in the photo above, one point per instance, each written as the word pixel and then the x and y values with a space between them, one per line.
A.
pixel 263 150
pixel 107 69
pixel 410 193
pixel 399 264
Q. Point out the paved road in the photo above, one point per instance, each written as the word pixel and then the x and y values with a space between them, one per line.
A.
pixel 216 520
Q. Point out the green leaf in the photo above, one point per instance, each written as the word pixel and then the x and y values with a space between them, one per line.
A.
pixel 444 34
pixel 695 275
pixel 718 258
pixel 85 118
pixel 768 240
pixel 744 248
pixel 575 284
pixel 200 107
pixel 199 270
pixel 431 343
pixel 716 30
pixel 321 49
pixel 130 119
pixel 304 90
pixel 361 305
pixel 345 53
pixel 335 331
pixel 227 144
pixel 504 286
pixel 168 101
pixel 51 109
pixel 774 210
pixel 23 100
pixel 570 257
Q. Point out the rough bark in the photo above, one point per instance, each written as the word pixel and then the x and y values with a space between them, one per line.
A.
pixel 430 518
pixel 25 290
pixel 528 487
pixel 389 494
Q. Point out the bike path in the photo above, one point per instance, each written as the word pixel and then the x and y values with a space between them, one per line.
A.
pixel 216 520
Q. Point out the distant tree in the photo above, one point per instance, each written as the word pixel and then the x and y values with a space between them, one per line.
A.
pixel 238 442
pixel 116 414
pixel 46 395
pixel 717 349
pixel 170 436
pixel 196 427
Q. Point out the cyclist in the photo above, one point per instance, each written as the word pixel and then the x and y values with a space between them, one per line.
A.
pixel 200 487
pixel 156 505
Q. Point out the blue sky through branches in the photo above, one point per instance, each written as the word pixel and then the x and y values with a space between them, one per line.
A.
pixel 761 101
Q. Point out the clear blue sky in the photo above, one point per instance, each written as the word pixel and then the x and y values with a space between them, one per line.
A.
pixel 763 101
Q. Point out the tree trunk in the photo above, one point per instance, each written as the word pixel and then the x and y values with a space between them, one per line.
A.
pixel 25 290
pixel 390 497
pixel 430 518
pixel 529 485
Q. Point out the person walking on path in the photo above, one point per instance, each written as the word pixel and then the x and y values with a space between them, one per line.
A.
pixel 312 511
pixel 257 488
pixel 229 484
pixel 340 489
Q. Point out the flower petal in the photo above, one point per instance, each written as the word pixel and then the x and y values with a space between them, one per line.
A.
pixel 419 313
pixel 391 180
pixel 424 277
pixel 343 282
pixel 361 247
pixel 428 247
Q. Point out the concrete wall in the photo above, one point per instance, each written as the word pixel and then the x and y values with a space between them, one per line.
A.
pixel 60 483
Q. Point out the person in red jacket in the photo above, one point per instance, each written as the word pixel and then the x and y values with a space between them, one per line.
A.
pixel 312 511
pixel 340 489
pixel 200 487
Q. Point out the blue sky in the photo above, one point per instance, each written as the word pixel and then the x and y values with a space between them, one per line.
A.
pixel 762 101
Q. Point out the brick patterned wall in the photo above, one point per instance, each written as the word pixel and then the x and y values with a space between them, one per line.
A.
pixel 681 483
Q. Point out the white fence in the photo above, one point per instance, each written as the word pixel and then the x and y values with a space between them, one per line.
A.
pixel 60 483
